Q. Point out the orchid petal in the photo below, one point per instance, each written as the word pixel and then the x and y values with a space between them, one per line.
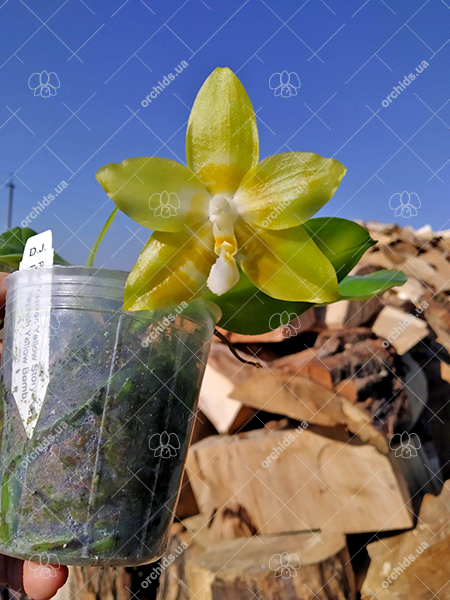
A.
pixel 222 137
pixel 140 186
pixel 170 269
pixel 285 190
pixel 286 265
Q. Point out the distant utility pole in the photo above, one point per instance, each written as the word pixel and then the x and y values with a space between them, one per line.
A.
pixel 10 203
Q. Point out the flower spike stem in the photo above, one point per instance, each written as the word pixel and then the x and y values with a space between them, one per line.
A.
pixel 233 351
pixel 98 241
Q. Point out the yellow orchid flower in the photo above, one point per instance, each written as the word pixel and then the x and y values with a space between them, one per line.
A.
pixel 225 209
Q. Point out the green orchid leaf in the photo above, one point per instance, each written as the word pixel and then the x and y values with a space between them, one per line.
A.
pixel 12 245
pixel 359 287
pixel 343 242
pixel 247 310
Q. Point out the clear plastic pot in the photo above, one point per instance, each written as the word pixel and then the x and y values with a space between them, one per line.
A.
pixel 98 408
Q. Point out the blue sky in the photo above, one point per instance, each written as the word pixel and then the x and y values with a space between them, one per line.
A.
pixel 348 56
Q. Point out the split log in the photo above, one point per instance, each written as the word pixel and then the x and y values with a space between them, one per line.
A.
pixel 296 480
pixel 421 269
pixel 222 372
pixel 227 414
pixel 441 281
pixel 352 314
pixel 305 400
pixel 437 314
pixel 445 372
pixel 414 565
pixel 412 290
pixel 207 569
pixel 437 415
pixel 402 330
pixel 378 259
pixel 94 583
pixel 186 504
pixel 347 378
pixel 193 534
pixel 292 567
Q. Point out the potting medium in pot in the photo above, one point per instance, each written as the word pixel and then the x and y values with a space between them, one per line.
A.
pixel 98 408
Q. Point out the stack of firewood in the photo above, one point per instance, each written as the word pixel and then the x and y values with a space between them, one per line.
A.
pixel 306 478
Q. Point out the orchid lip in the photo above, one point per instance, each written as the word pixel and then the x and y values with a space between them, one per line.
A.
pixel 224 273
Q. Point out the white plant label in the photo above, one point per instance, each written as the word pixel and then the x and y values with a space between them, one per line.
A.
pixel 32 332
pixel 38 251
